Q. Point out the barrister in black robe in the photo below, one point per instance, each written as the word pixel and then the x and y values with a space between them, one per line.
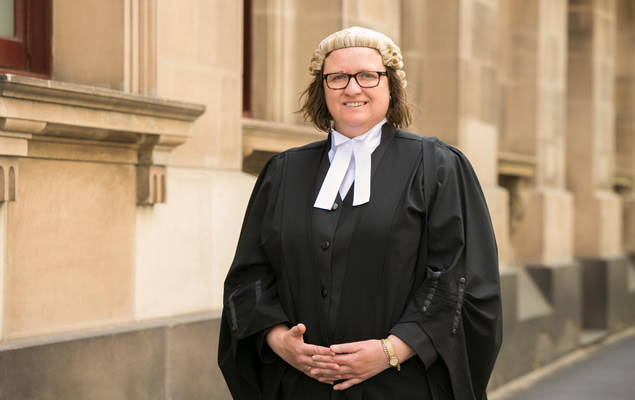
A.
pixel 417 262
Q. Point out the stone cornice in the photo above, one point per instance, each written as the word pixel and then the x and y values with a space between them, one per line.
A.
pixel 520 165
pixel 64 121
pixel 63 110
pixel 25 88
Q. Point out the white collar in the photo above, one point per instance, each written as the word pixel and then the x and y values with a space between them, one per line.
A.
pixel 371 139
pixel 350 161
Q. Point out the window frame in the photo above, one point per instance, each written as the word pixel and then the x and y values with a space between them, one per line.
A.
pixel 28 52
pixel 247 56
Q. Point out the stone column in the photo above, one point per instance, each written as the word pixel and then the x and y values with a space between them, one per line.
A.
pixel 533 76
pixel 545 288
pixel 590 128
pixel 450 49
pixel 591 160
pixel 625 152
pixel 140 37
pixel 625 115
pixel 272 38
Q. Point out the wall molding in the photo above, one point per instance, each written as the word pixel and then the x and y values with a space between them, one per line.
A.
pixel 57 120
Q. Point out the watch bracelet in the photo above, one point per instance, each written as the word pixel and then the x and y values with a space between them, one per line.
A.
pixel 383 343
pixel 391 354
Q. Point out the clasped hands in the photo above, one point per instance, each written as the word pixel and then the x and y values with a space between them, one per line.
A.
pixel 350 363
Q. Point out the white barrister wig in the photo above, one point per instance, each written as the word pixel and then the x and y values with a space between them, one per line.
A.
pixel 360 37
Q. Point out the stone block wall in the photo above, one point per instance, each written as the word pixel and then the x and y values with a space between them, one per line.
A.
pixel 122 183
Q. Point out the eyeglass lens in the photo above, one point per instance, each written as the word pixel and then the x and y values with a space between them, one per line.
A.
pixel 365 79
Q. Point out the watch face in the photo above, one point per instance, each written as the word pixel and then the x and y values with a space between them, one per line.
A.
pixel 393 361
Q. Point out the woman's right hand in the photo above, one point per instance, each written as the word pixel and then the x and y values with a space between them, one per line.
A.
pixel 288 344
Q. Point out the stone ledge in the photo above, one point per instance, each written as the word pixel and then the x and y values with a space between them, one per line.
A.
pixel 70 94
pixel 56 120
pixel 56 109
pixel 623 179
pixel 153 360
pixel 108 331
pixel 274 137
pixel 514 164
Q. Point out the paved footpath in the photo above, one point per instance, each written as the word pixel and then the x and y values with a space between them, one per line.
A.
pixel 603 372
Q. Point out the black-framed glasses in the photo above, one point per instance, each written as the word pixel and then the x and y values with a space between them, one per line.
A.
pixel 365 79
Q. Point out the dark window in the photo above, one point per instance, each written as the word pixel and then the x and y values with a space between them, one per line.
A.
pixel 25 42
pixel 247 57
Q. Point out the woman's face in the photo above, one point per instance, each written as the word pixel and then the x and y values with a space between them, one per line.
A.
pixel 354 109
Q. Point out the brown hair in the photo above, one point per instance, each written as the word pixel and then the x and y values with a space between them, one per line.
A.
pixel 314 107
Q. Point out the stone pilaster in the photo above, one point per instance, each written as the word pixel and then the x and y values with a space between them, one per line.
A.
pixel 590 128
pixel 625 116
pixel 452 45
pixel 272 37
pixel 533 78
pixel 140 46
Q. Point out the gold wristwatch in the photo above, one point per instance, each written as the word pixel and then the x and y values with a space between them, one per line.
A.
pixel 390 353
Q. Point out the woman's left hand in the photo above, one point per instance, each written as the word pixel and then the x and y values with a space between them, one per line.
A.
pixel 358 361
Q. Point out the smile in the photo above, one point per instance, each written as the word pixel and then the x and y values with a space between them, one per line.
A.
pixel 357 104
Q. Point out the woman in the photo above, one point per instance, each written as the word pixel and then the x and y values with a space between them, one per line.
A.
pixel 367 265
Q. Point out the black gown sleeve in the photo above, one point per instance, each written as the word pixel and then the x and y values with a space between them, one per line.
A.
pixel 415 337
pixel 455 312
pixel 250 299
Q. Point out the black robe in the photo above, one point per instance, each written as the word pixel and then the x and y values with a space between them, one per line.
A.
pixel 422 266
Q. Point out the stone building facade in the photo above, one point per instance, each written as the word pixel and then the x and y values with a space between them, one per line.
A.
pixel 125 172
